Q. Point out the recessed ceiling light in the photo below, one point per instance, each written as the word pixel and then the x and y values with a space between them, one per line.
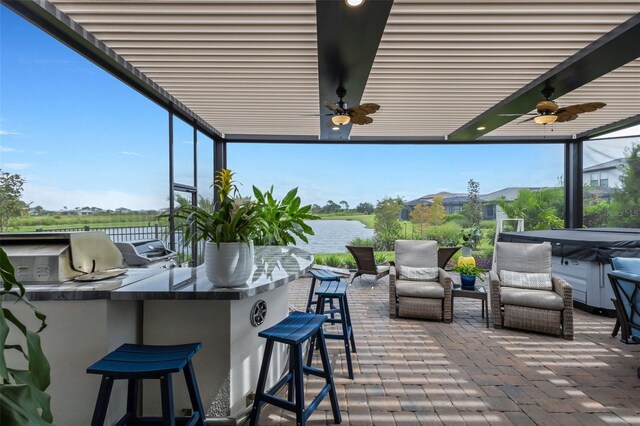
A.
pixel 481 128
pixel 335 128
pixel 354 3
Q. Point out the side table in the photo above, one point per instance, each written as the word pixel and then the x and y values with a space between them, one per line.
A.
pixel 479 292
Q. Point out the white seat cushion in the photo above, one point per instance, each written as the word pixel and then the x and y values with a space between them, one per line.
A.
pixel 418 274
pixel 424 289
pixel 541 299
pixel 528 280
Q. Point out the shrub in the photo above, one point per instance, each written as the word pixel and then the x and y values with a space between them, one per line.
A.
pixel 446 235
pixel 335 260
pixel 488 224
pixel 362 242
pixel 381 258
pixel 458 219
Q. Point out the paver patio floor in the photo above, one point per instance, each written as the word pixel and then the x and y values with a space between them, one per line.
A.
pixel 411 372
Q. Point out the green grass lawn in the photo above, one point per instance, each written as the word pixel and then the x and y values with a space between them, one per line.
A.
pixel 31 223
pixel 366 219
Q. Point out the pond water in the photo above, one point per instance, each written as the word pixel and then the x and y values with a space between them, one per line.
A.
pixel 331 236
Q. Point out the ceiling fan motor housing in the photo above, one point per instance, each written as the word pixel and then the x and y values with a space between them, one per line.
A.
pixel 546 107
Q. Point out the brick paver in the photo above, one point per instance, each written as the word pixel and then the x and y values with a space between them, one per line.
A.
pixel 411 372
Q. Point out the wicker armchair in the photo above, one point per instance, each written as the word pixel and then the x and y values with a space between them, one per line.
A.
pixel 544 311
pixel 414 298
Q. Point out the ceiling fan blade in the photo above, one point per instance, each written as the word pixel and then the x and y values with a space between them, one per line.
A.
pixel 315 115
pixel 364 109
pixel 528 119
pixel 582 108
pixel 361 119
pixel 330 105
pixel 566 116
pixel 358 119
pixel 517 115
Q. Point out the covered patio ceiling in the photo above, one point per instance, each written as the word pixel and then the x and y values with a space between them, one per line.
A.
pixel 261 71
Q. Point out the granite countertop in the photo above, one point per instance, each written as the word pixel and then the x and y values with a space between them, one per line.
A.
pixel 273 268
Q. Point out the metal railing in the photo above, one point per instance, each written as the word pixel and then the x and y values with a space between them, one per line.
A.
pixel 131 233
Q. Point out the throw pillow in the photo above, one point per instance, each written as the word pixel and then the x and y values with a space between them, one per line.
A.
pixel 529 280
pixel 418 274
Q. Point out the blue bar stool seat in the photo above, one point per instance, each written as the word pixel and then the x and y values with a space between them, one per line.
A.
pixel 294 330
pixel 323 276
pixel 336 291
pixel 135 362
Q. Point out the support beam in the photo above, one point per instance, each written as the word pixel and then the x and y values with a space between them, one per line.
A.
pixel 573 189
pixel 219 161
pixel 611 51
pixel 172 225
pixel 388 140
pixel 50 19
pixel 348 39
pixel 611 127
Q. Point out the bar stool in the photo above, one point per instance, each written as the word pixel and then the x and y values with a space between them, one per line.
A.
pixel 336 291
pixel 294 330
pixel 323 276
pixel 136 362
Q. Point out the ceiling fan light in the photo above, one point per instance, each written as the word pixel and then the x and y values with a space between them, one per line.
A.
pixel 354 3
pixel 340 119
pixel 545 119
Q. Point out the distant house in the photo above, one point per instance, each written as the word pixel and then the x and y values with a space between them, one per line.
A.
pixel 85 212
pixel 123 210
pixel 425 200
pixel 454 203
pixel 604 175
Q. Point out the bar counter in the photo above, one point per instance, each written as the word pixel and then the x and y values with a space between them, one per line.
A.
pixel 166 306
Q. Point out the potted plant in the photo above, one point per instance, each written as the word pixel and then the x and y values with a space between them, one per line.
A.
pixel 468 274
pixel 470 238
pixel 236 222
pixel 227 232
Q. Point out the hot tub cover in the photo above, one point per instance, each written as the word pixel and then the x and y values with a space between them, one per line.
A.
pixel 597 245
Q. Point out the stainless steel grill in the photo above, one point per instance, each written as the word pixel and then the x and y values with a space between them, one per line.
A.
pixel 147 253
pixel 59 256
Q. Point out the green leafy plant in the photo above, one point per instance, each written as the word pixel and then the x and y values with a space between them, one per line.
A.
pixel 471 237
pixel 470 270
pixel 235 219
pixel 282 220
pixel 22 394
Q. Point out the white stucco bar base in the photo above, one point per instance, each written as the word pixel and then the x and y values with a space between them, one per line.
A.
pixel 168 307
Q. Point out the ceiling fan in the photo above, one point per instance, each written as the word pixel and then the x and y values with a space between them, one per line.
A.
pixel 342 114
pixel 548 112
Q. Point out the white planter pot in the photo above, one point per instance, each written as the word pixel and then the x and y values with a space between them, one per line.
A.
pixel 229 265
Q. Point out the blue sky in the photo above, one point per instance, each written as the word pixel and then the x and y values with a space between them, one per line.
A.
pixel 80 137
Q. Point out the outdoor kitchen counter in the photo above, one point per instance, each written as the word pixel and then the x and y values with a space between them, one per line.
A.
pixel 166 307
pixel 273 267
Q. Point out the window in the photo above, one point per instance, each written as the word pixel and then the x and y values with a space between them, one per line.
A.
pixel 608 204
pixel 594 179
